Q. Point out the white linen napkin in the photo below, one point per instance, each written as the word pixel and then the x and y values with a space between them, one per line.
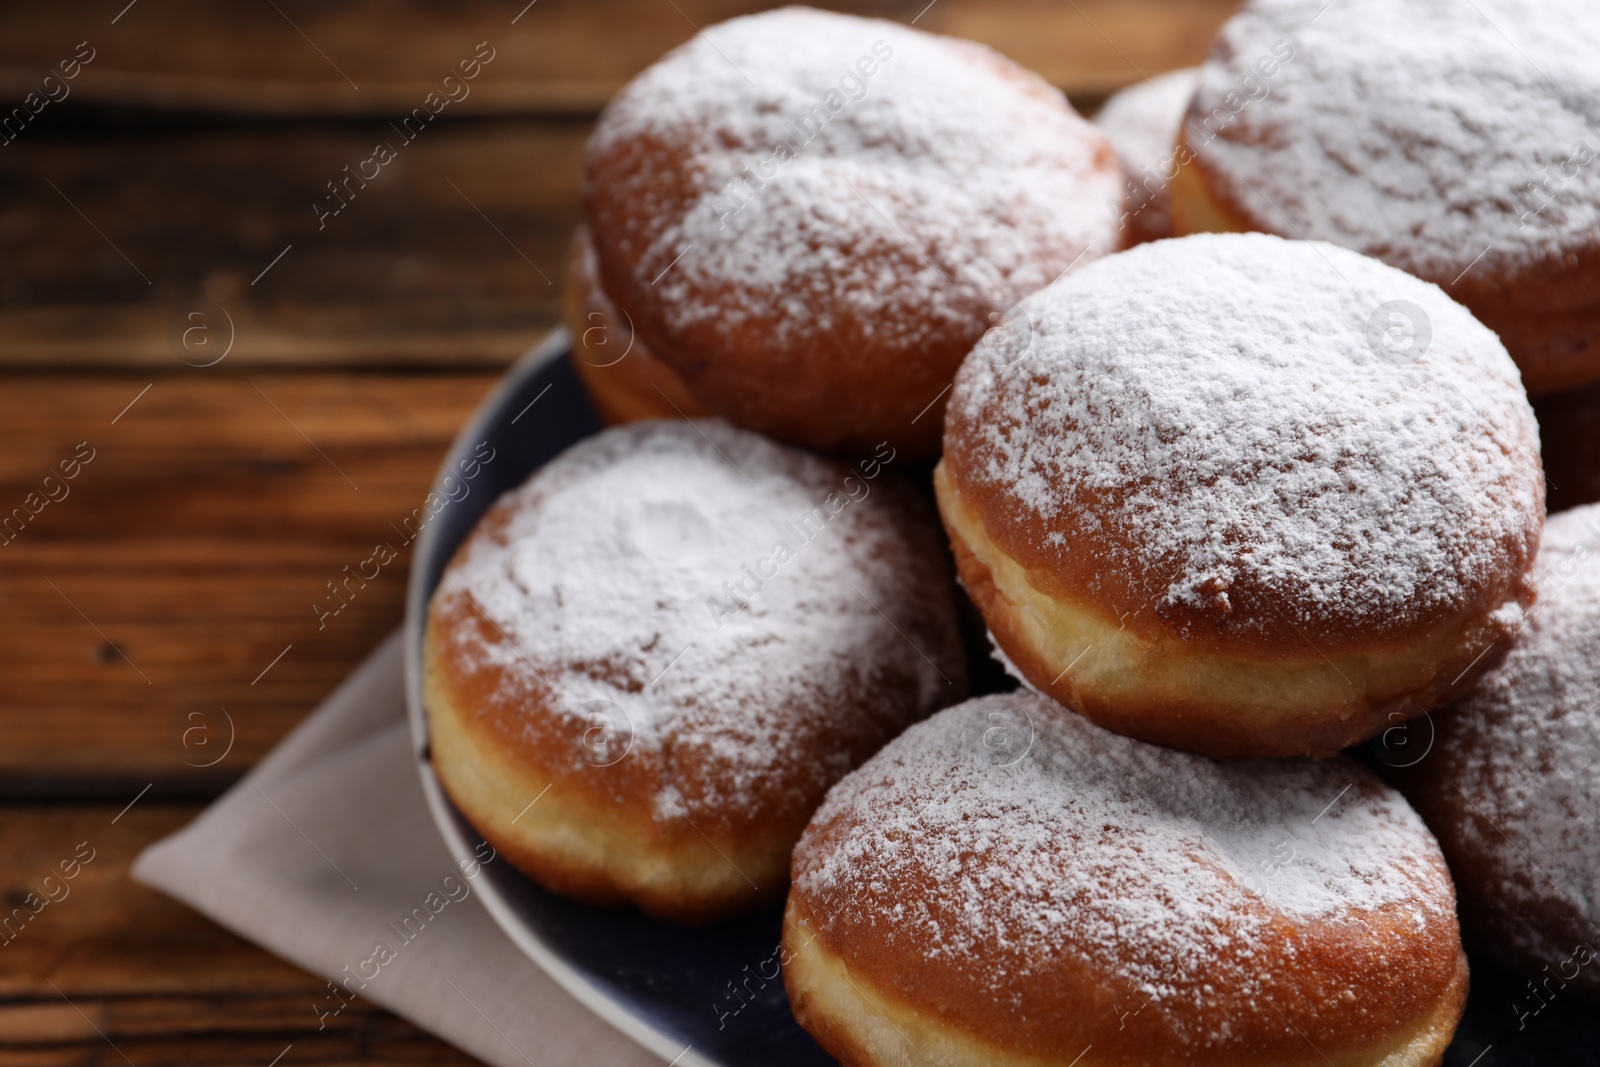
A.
pixel 327 845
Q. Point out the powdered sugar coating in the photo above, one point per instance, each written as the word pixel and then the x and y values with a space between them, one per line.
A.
pixel 1524 752
pixel 1425 133
pixel 1142 123
pixel 1169 875
pixel 954 184
pixel 618 574
pixel 1209 417
pixel 1142 120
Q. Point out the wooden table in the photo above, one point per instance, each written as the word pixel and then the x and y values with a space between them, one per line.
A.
pixel 168 589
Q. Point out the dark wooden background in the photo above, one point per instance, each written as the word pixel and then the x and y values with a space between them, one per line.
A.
pixel 189 552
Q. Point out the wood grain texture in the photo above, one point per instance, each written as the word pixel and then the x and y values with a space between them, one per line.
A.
pixel 159 983
pixel 368 57
pixel 451 256
pixel 189 552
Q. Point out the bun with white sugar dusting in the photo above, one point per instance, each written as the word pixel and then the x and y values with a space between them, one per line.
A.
pixel 1245 496
pixel 1512 782
pixel 1455 140
pixel 647 664
pixel 1009 885
pixel 812 217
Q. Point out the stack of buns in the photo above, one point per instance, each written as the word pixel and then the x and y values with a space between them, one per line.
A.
pixel 1229 504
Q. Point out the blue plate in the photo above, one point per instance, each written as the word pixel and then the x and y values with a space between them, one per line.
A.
pixel 705 996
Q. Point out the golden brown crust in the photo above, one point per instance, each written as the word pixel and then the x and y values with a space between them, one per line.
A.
pixel 1195 206
pixel 589 834
pixel 863 1023
pixel 1136 676
pixel 901 969
pixel 625 380
pixel 1549 319
pixel 831 399
pixel 1135 602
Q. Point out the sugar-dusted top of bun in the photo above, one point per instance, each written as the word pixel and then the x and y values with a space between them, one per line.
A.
pixel 718 600
pixel 1031 857
pixel 1257 438
pixel 952 160
pixel 1427 133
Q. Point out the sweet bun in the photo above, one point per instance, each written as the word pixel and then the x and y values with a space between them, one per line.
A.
pixel 1455 141
pixel 1215 497
pixel 1142 123
pixel 1007 884
pixel 813 217
pixel 647 664
pixel 624 379
pixel 1512 783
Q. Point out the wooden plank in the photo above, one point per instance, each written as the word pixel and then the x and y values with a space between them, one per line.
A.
pixel 371 57
pixel 188 553
pixel 162 984
pixel 451 255
pixel 1089 48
